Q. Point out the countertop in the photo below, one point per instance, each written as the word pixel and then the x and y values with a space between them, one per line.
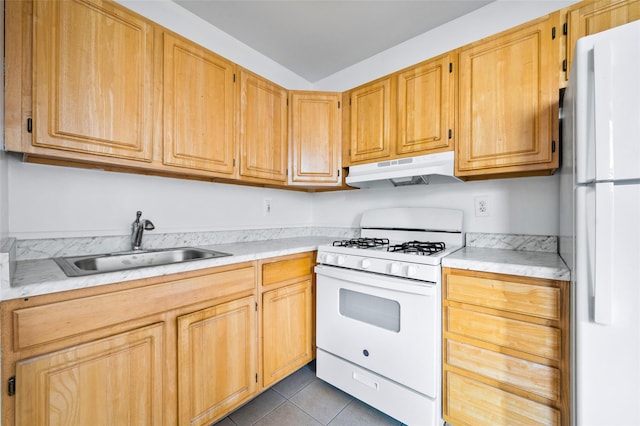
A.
pixel 536 264
pixel 43 276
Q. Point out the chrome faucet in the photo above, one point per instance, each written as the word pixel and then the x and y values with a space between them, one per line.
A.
pixel 137 229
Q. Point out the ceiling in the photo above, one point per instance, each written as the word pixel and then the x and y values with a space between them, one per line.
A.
pixel 317 38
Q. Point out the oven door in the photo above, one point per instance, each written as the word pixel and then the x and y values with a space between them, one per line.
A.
pixel 387 325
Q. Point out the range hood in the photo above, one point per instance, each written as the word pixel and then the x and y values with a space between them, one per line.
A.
pixel 421 170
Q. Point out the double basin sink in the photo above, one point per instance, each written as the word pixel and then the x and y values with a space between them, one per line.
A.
pixel 75 266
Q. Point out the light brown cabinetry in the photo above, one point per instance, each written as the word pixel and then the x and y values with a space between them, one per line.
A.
pixel 262 129
pixel 287 315
pixel 116 380
pixel 505 349
pixel 371 126
pixel 72 95
pixel 315 128
pixel 217 360
pixel 425 112
pixel 199 108
pixel 170 350
pixel 590 17
pixel 508 103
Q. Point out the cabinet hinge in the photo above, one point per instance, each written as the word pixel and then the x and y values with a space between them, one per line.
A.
pixel 450 133
pixel 564 65
pixel 256 377
pixel 565 28
pixel 338 104
pixel 29 125
pixel 450 67
pixel 553 146
pixel 11 386
pixel 234 77
pixel 553 33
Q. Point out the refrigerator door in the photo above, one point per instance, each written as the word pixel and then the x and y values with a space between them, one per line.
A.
pixel 606 296
pixel 607 105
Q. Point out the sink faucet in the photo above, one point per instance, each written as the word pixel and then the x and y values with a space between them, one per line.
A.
pixel 137 229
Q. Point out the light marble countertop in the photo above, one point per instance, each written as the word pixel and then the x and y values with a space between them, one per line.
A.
pixel 536 264
pixel 43 276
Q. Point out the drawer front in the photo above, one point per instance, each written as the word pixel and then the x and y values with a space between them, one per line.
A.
pixel 536 378
pixel 519 335
pixel 42 324
pixel 287 269
pixel 474 403
pixel 528 299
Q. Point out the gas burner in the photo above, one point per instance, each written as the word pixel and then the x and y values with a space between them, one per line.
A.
pixel 363 242
pixel 418 247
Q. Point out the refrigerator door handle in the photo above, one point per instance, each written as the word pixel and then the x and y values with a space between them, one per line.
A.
pixel 604 248
pixel 603 109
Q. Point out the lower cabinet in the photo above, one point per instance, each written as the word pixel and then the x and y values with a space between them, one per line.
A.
pixel 287 315
pixel 505 349
pixel 216 360
pixel 181 349
pixel 111 381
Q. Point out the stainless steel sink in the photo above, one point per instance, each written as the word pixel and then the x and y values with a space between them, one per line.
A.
pixel 74 266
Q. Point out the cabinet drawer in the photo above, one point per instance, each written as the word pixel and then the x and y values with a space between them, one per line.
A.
pixel 528 299
pixel 532 377
pixel 287 269
pixel 471 402
pixel 46 323
pixel 519 335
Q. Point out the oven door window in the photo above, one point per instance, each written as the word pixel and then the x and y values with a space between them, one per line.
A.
pixel 374 310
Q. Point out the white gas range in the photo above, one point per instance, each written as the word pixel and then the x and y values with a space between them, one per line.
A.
pixel 378 310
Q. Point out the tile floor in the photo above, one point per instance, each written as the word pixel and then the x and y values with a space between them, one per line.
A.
pixel 302 399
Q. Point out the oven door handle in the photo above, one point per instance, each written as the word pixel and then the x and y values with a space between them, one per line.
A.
pixel 404 285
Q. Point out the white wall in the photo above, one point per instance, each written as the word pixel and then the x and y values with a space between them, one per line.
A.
pixel 45 201
pixel 517 206
pixel 49 201
pixel 4 167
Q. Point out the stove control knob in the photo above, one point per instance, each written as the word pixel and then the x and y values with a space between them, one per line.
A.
pixel 366 263
pixel 395 268
pixel 411 271
pixel 330 259
pixel 341 260
pixel 322 258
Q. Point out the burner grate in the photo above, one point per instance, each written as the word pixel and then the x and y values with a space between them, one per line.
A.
pixel 418 247
pixel 362 242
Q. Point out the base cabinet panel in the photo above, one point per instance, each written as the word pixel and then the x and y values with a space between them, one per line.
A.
pixel 216 360
pixel 112 381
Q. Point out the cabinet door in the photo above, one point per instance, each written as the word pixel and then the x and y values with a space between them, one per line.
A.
pixel 425 107
pixel 113 381
pixel 286 330
pixel 263 129
pixel 93 79
pixel 508 102
pixel 217 367
pixel 586 18
pixel 198 107
pixel 315 128
pixel 371 122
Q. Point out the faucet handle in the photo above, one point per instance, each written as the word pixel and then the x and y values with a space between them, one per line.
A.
pixel 148 225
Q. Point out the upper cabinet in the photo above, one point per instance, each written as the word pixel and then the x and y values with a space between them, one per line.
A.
pixel 315 128
pixel 508 103
pixel 262 130
pixel 81 100
pixel 425 113
pixel 198 100
pixel 590 17
pixel 370 122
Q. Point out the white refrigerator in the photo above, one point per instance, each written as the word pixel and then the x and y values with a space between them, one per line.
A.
pixel 600 225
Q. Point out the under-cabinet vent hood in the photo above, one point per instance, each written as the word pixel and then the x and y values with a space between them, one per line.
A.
pixel 421 170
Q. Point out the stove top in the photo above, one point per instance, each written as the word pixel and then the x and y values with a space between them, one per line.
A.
pixel 425 248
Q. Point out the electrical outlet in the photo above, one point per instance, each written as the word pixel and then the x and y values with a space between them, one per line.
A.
pixel 482 206
pixel 266 208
